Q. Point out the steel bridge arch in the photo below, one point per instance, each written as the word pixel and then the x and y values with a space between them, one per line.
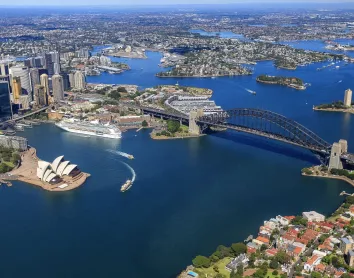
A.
pixel 288 130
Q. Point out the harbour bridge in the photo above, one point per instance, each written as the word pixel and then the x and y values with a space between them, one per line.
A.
pixel 254 121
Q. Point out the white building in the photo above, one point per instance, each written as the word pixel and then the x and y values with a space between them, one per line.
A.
pixel 79 79
pixel 52 172
pixel 313 216
pixel 58 88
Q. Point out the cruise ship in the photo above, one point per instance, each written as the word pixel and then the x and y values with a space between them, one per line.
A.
pixel 93 128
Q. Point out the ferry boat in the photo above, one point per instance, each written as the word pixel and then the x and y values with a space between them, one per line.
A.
pixel 126 186
pixel 93 128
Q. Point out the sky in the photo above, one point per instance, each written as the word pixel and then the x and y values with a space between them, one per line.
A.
pixel 149 2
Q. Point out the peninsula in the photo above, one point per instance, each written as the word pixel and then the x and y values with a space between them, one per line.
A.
pixel 57 176
pixel 292 82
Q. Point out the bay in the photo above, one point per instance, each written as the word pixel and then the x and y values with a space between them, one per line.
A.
pixel 189 195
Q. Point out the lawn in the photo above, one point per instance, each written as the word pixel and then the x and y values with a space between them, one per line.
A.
pixel 210 272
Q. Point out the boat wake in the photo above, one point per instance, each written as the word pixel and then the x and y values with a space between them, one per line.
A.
pixel 247 90
pixel 132 171
pixel 121 154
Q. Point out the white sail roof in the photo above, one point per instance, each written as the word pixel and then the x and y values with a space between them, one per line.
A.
pixel 56 163
pixel 69 169
pixel 50 177
pixel 62 167
pixel 42 168
pixel 46 174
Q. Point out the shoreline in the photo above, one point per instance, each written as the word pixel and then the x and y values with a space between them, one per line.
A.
pixel 204 76
pixel 342 178
pixel 351 111
pixel 154 137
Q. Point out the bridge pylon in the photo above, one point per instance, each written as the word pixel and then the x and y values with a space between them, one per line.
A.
pixel 193 126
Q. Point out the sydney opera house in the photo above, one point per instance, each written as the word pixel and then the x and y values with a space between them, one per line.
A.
pixel 58 171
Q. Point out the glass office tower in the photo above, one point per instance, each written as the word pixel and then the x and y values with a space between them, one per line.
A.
pixel 5 103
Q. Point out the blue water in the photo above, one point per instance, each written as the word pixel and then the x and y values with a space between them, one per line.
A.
pixel 189 195
pixel 318 45
pixel 222 34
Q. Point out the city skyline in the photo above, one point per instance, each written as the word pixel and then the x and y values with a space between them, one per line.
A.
pixel 162 3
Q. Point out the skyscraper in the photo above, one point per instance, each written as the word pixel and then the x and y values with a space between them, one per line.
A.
pixel 34 74
pixel 23 73
pixel 38 62
pixel 348 98
pixel 40 96
pixel 16 89
pixel 45 83
pixel 66 81
pixel 72 79
pixel 58 88
pixel 80 83
pixel 49 64
pixel 5 103
pixel 4 68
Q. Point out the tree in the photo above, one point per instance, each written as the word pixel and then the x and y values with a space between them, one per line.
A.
pixel 239 248
pixel 201 261
pixel 240 270
pixel 15 157
pixel 275 272
pixel 115 95
pixel 350 199
pixel 298 220
pixel 122 90
pixel 173 126
pixel 274 264
pixel 144 124
pixel 222 252
pixel 315 274
pixel 282 257
pixel 4 168
pixel 263 247
pixel 346 275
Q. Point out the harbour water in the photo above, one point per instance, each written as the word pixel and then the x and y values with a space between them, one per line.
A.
pixel 189 195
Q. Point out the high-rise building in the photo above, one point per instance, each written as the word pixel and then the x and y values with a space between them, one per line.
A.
pixel 56 68
pixel 348 98
pixel 40 95
pixel 49 64
pixel 23 73
pixel 5 102
pixel 16 89
pixel 25 102
pixel 45 83
pixel 42 71
pixel 80 83
pixel 34 74
pixel 4 68
pixel 72 79
pixel 58 88
pixel 38 62
pixel 66 81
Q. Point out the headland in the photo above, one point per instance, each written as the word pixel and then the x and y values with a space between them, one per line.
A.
pixel 28 172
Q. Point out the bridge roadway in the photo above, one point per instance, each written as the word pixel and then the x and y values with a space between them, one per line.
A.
pixel 27 115
pixel 300 136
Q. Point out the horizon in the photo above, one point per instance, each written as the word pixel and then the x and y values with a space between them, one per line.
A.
pixel 142 3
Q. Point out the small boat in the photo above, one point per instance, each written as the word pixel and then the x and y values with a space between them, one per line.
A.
pixel 177 84
pixel 126 186
pixel 131 156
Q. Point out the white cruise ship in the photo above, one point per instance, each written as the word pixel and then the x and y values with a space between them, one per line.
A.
pixel 93 128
